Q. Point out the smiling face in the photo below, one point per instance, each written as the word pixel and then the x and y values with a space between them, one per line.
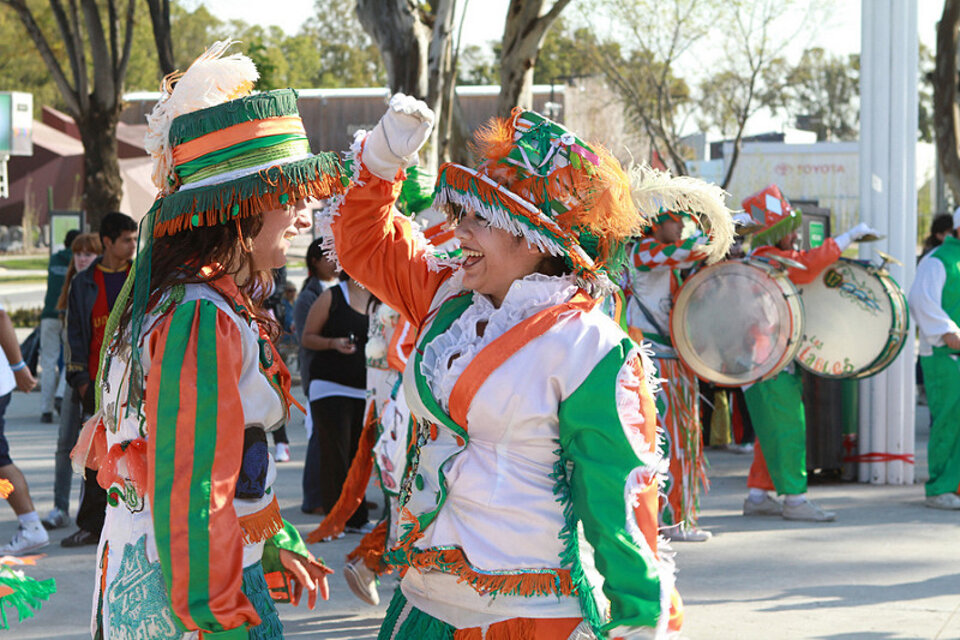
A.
pixel 492 258
pixel 280 226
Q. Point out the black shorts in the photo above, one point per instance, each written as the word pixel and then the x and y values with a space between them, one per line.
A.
pixel 4 446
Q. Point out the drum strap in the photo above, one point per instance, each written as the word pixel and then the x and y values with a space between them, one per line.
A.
pixel 649 316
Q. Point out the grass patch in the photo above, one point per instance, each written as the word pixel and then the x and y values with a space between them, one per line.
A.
pixel 25 262
pixel 27 279
pixel 296 264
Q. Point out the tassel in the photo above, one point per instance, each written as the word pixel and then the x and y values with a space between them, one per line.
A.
pixel 354 487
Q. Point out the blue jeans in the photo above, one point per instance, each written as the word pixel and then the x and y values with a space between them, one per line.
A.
pixel 70 423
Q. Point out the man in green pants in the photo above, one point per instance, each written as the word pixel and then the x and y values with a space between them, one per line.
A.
pixel 935 305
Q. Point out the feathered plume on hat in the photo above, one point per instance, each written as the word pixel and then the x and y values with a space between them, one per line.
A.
pixel 212 79
pixel 656 192
pixel 221 152
pixel 540 181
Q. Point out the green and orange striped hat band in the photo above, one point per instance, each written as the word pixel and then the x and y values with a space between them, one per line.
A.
pixel 241 158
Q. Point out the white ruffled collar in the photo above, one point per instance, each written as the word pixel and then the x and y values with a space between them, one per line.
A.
pixel 447 356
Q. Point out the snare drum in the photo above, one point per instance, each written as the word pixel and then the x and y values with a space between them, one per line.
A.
pixel 855 322
pixel 737 323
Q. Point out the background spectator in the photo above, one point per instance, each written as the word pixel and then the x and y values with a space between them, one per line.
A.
pixel 30 533
pixel 51 327
pixel 85 248
pixel 92 295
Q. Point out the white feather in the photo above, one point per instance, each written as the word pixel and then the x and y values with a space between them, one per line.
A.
pixel 212 79
pixel 654 191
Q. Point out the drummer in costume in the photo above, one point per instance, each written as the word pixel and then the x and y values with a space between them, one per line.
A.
pixel 534 473
pixel 652 277
pixel 776 405
pixel 191 381
pixel 935 305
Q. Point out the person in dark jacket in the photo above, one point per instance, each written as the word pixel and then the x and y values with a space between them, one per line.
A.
pixel 92 295
pixel 51 327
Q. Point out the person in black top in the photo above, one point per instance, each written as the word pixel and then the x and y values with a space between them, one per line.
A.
pixel 336 330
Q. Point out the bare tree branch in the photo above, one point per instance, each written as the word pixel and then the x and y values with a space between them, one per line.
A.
pixel 121 71
pixel 160 20
pixel 104 88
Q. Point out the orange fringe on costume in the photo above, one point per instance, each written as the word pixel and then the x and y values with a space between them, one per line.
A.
pixel 6 488
pixel 255 205
pixel 371 549
pixel 452 561
pixel 263 524
pixel 354 487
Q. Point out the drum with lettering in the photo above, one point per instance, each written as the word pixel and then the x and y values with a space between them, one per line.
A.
pixel 855 321
pixel 737 323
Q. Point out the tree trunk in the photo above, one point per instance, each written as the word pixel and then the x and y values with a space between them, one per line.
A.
pixel 523 34
pixel 160 19
pixel 103 187
pixel 416 49
pixel 403 40
pixel 946 116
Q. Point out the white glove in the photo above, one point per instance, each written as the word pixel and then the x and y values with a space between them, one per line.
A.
pixel 394 142
pixel 850 236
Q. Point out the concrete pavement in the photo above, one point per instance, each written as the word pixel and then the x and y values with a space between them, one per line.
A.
pixel 887 569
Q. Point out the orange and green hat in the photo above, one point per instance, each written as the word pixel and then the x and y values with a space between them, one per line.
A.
pixel 540 181
pixel 771 211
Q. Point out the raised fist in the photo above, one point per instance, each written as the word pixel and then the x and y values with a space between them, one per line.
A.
pixel 394 142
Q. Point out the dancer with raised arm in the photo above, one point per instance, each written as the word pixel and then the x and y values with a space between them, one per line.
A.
pixel 529 508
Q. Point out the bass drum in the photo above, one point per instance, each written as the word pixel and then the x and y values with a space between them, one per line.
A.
pixel 855 323
pixel 737 323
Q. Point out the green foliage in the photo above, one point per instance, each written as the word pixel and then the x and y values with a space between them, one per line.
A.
pixel 21 67
pixel 24 316
pixel 476 66
pixel 822 92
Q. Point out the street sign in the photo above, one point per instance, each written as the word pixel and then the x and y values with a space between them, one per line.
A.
pixel 16 123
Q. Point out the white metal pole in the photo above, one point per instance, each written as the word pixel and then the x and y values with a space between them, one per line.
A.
pixel 888 125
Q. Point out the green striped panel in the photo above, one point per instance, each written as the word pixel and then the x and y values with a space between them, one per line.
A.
pixel 205 444
pixel 165 432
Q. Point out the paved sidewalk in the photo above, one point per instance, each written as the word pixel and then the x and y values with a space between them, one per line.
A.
pixel 887 569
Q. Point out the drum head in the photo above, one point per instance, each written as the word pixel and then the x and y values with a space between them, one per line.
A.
pixel 848 318
pixel 736 323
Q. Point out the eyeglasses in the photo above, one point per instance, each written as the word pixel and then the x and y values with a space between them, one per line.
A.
pixel 458 216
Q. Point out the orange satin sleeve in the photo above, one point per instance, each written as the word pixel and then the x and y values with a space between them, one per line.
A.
pixel 378 249
pixel 815 260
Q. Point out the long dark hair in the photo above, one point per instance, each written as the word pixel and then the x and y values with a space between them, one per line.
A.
pixel 942 222
pixel 180 258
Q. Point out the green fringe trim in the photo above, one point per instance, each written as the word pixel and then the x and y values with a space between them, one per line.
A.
pixel 27 596
pixel 272 104
pixel 778 230
pixel 254 586
pixel 320 176
pixel 417 624
pixel 570 556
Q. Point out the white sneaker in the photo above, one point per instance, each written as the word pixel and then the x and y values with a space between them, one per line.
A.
pixel 686 533
pixel 808 511
pixel 767 507
pixel 948 501
pixel 26 540
pixel 56 519
pixel 362 581
pixel 283 452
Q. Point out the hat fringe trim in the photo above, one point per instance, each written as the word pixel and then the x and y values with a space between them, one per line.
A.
pixel 506 210
pixel 319 177
pixel 778 230
pixel 262 106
